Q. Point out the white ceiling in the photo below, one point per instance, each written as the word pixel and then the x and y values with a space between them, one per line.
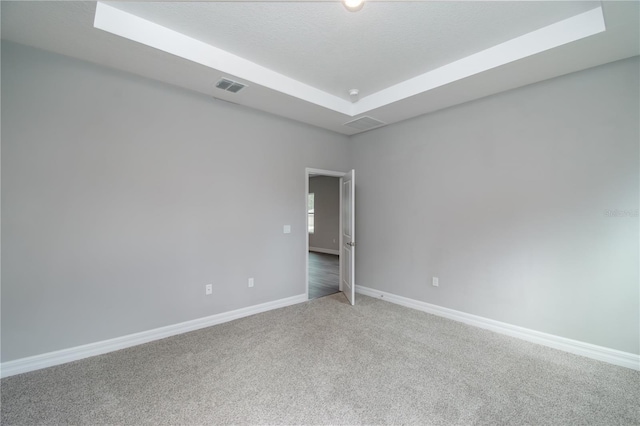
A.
pixel 334 50
pixel 299 59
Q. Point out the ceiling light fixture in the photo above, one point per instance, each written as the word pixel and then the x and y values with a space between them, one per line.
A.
pixel 353 5
pixel 353 94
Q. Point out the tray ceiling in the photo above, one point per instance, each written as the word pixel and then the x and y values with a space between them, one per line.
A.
pixel 299 59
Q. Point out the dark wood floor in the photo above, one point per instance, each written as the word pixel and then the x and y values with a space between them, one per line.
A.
pixel 324 274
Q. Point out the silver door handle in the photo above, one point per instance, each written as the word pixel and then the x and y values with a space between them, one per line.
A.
pixel 352 244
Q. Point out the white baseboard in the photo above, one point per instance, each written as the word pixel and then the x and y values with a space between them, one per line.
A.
pixel 323 250
pixel 612 356
pixel 50 359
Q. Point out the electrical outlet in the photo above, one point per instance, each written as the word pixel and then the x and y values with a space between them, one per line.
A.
pixel 435 282
pixel 208 289
pixel 250 282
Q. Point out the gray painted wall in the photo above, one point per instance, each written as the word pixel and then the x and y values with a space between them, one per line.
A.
pixel 122 197
pixel 326 212
pixel 505 200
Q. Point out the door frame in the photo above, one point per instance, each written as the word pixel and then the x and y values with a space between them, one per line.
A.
pixel 307 174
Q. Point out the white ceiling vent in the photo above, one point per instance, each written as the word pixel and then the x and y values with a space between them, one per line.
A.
pixel 364 123
pixel 230 85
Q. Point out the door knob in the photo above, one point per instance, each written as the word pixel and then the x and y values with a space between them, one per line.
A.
pixel 352 243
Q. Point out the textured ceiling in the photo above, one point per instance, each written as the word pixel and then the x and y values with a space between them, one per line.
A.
pixel 324 46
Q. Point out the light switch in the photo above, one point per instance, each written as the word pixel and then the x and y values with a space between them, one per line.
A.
pixel 287 229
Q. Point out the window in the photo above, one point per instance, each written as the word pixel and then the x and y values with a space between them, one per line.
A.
pixel 310 200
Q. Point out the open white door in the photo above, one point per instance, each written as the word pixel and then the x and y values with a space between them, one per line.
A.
pixel 348 237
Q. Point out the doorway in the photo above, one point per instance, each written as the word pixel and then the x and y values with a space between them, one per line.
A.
pixel 322 251
pixel 323 219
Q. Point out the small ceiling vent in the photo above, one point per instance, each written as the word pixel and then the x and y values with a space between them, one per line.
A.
pixel 230 85
pixel 364 123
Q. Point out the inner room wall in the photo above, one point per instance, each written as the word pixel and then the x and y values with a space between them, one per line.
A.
pixel 326 235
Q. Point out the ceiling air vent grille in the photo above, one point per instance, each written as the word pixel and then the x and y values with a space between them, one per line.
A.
pixel 364 123
pixel 230 85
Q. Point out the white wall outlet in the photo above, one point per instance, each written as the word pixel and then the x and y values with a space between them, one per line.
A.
pixel 287 229
pixel 435 282
pixel 208 289
pixel 250 282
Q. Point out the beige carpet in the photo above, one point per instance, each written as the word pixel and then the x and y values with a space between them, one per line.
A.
pixel 325 362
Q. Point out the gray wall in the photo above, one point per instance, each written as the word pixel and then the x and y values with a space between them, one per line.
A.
pixel 326 212
pixel 505 200
pixel 122 197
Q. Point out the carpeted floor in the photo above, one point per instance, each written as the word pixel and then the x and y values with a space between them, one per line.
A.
pixel 325 362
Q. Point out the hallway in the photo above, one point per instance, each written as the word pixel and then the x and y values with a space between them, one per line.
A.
pixel 324 274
